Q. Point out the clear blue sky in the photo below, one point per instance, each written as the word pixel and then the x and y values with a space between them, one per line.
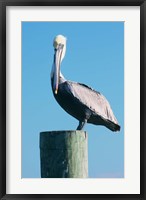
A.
pixel 94 56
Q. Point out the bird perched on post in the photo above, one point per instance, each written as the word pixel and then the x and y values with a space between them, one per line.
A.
pixel 77 99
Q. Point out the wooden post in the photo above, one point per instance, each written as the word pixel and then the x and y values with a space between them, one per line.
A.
pixel 64 154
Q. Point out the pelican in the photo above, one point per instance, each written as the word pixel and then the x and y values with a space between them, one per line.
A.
pixel 77 99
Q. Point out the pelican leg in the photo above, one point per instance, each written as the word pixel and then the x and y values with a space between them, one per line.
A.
pixel 81 124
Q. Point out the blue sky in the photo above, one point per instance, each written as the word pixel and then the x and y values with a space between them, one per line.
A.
pixel 94 56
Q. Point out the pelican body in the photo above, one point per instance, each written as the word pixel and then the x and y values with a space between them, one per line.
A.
pixel 77 99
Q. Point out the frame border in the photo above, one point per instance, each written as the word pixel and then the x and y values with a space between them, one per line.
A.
pixel 3 5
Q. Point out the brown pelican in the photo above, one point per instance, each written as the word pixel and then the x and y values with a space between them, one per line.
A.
pixel 77 99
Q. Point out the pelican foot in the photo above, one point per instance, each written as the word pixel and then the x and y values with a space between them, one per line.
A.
pixel 81 125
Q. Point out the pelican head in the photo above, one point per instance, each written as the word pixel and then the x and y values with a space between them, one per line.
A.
pixel 59 44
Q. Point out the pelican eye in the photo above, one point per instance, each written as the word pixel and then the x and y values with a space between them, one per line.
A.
pixel 60 45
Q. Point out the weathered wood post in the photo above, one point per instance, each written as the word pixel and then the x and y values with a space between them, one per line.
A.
pixel 64 154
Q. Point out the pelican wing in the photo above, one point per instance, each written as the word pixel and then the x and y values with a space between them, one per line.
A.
pixel 92 99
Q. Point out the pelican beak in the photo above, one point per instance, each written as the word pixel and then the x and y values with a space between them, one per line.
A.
pixel 57 61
